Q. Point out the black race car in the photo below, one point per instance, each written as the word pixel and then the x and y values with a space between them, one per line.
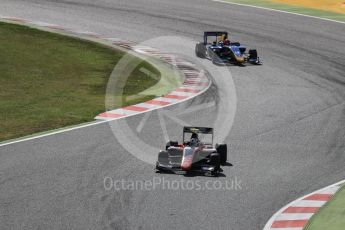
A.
pixel 193 155
pixel 221 51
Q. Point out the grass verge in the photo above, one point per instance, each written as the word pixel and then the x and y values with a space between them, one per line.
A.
pixel 331 215
pixel 327 14
pixel 49 81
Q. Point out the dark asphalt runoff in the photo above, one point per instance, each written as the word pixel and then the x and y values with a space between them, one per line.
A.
pixel 287 138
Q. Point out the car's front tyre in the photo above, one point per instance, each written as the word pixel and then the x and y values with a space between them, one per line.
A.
pixel 170 144
pixel 163 157
pixel 200 50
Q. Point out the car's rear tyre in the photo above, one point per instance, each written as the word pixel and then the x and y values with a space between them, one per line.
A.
pixel 222 149
pixel 215 161
pixel 171 143
pixel 200 50
pixel 253 54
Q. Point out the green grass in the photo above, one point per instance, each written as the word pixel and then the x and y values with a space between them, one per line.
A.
pixel 49 81
pixel 293 9
pixel 331 216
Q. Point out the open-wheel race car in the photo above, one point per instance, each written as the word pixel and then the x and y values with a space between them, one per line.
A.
pixel 195 154
pixel 218 48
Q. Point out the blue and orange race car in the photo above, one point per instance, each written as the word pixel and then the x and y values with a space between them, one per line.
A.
pixel 195 154
pixel 217 47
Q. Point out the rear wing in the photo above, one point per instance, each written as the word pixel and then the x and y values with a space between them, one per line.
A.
pixel 216 34
pixel 204 130
pixel 198 130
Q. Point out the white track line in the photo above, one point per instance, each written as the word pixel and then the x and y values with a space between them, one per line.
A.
pixel 292 204
pixel 52 133
pixel 121 111
pixel 280 11
pixel 329 190
pixel 102 121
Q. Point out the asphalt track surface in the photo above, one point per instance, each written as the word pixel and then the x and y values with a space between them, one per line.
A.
pixel 287 139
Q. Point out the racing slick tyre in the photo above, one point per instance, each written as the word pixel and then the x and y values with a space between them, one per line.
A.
pixel 171 143
pixel 253 54
pixel 163 157
pixel 222 149
pixel 175 155
pixel 200 50
pixel 215 161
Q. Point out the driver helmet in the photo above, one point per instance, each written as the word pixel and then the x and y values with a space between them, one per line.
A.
pixel 226 42
pixel 194 140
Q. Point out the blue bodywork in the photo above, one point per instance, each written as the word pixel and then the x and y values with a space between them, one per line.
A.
pixel 226 54
pixel 221 51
